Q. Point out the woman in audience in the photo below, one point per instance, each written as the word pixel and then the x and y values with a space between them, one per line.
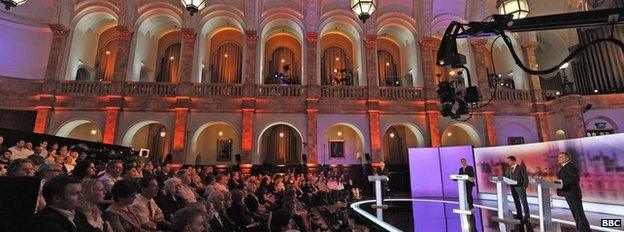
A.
pixel 93 192
pixel 167 200
pixel 220 221
pixel 119 214
pixel 189 219
pixel 85 169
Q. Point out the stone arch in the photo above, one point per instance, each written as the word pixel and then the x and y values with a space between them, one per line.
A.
pixel 468 135
pixel 611 122
pixel 68 129
pixel 276 24
pixel 409 138
pixel 158 149
pixel 403 35
pixel 298 139
pixel 201 130
pixel 87 27
pixel 358 147
pixel 517 129
pixel 337 23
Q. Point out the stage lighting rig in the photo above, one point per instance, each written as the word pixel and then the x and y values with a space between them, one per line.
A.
pixel 448 55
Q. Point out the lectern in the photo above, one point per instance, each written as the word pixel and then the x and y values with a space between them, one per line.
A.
pixel 543 195
pixel 464 211
pixel 378 197
pixel 505 217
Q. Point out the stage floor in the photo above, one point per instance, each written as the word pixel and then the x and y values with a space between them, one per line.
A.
pixel 436 214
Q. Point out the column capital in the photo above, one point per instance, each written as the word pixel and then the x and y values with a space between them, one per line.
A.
pixel 252 36
pixel 123 32
pixel 530 45
pixel 188 33
pixel 478 43
pixel 312 37
pixel 58 29
pixel 428 42
pixel 370 41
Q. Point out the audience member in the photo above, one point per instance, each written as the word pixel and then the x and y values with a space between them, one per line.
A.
pixel 168 202
pixel 119 214
pixel 113 174
pixel 5 157
pixel 188 220
pixel 21 167
pixel 19 151
pixel 85 169
pixel 63 195
pixel 144 205
pixel 94 193
pixel 47 172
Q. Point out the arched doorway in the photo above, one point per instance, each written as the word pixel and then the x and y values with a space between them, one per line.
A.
pixel 343 143
pixel 280 144
pixel 214 143
pixel 460 134
pixel 81 129
pixel 151 135
pixel 395 144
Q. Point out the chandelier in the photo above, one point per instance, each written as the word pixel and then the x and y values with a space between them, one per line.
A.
pixel 518 8
pixel 194 6
pixel 12 3
pixel 363 8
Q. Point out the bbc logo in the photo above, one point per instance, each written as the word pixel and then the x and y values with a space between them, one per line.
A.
pixel 611 222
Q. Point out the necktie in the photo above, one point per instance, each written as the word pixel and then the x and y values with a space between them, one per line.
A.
pixel 149 208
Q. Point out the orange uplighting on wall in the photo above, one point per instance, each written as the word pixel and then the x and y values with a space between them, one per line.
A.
pixel 110 125
pixel 41 120
pixel 179 132
pixel 490 127
pixel 434 128
pixel 247 142
pixel 374 131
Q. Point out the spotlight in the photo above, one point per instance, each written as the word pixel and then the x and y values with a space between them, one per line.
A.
pixel 595 91
pixel 171 58
pixel 391 135
pixel 163 134
pixel 558 93
pixel 281 134
pixel 93 131
pixel 220 133
pixel 339 133
pixel 107 52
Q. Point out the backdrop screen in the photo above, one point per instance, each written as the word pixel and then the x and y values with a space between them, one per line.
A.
pixel 599 159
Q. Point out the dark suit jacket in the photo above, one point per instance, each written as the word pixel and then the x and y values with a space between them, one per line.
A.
pixel 240 215
pixel 569 174
pixel 468 171
pixel 251 201
pixel 51 220
pixel 169 205
pixel 225 226
pixel 120 221
pixel 520 175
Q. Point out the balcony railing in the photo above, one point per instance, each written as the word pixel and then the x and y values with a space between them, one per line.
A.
pixel 348 92
pixel 400 93
pixel 82 87
pixel 512 95
pixel 281 91
pixel 151 88
pixel 203 89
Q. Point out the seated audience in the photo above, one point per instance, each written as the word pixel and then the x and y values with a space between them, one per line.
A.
pixel 47 172
pixel 94 193
pixel 112 175
pixel 144 205
pixel 19 151
pixel 119 214
pixel 188 220
pixel 21 167
pixel 168 201
pixel 85 169
pixel 63 195
pixel 5 157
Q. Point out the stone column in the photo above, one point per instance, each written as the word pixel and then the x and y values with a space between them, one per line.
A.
pixel 311 133
pixel 247 135
pixel 250 63
pixel 433 121
pixel 490 128
pixel 370 52
pixel 542 127
pixel 110 124
pixel 311 64
pixel 183 105
pixel 59 39
pixel 482 79
pixel 375 134
pixel 44 109
pixel 531 62
pixel 186 58
pixel 124 39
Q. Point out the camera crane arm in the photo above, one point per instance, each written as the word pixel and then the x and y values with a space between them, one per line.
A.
pixel 448 56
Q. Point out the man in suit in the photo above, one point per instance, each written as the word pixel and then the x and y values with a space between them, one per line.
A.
pixel 467 170
pixel 63 195
pixel 569 176
pixel 518 192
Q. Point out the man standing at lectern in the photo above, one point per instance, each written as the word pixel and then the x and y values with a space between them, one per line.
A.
pixel 518 192
pixel 569 176
pixel 467 170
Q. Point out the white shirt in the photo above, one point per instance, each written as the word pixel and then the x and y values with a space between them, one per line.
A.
pixel 141 207
pixel 70 215
pixel 108 181
pixel 20 153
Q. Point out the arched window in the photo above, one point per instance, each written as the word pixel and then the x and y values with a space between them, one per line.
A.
pixel 169 64
pixel 225 65
pixel 105 64
pixel 387 69
pixel 336 67
pixel 144 74
pixel 83 74
pixel 283 68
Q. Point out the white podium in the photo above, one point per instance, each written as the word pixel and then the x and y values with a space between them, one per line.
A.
pixel 505 217
pixel 464 210
pixel 543 195
pixel 379 206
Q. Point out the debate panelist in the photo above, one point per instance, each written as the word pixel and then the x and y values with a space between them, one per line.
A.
pixel 467 170
pixel 518 192
pixel 569 176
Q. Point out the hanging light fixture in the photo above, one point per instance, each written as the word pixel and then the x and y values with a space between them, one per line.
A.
pixel 518 8
pixel 363 8
pixel 194 6
pixel 12 3
pixel 163 134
